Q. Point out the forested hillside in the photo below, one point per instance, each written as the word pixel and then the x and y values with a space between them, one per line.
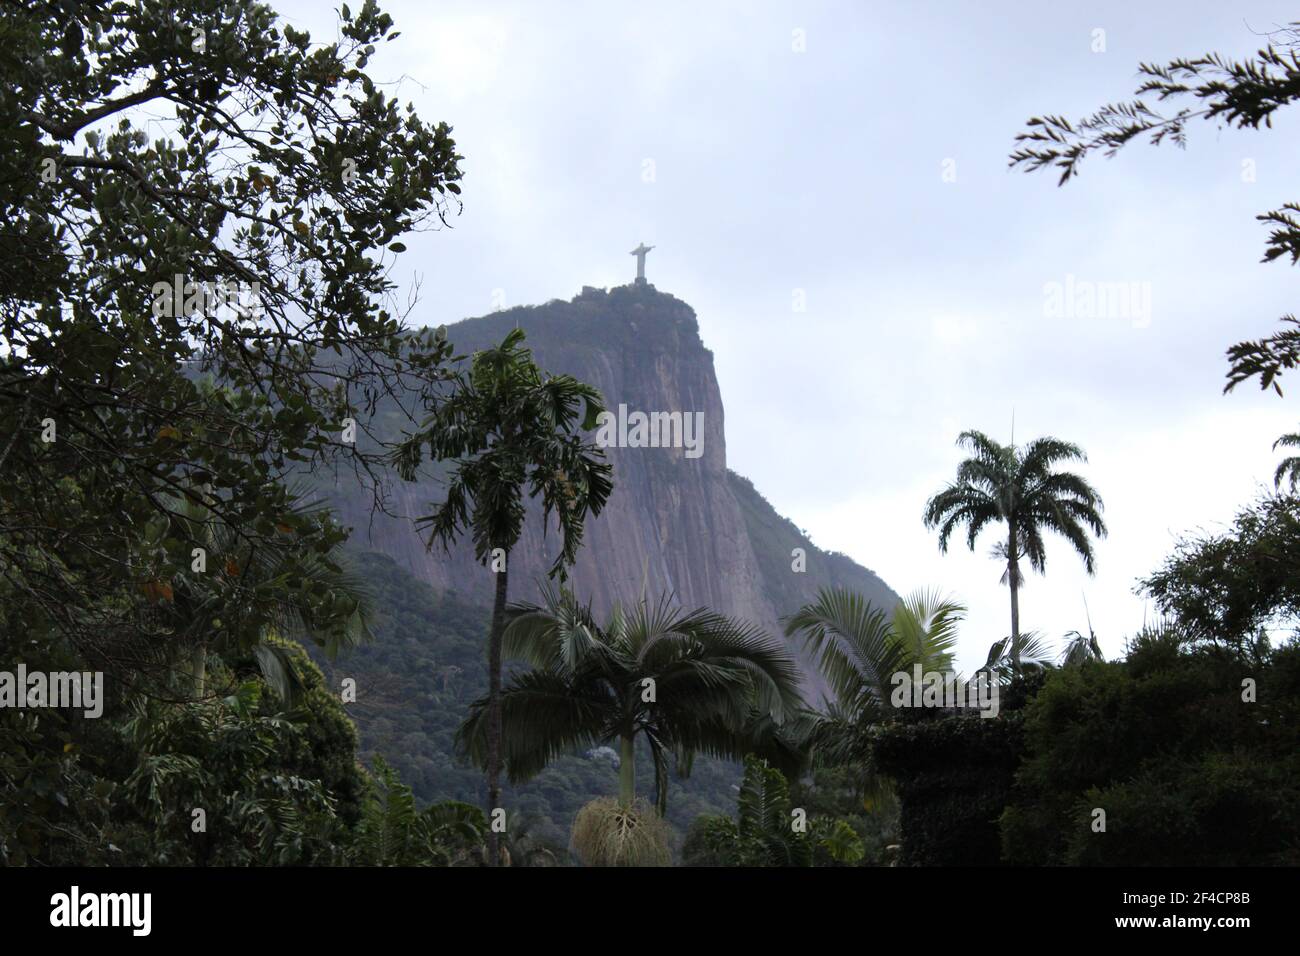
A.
pixel 415 683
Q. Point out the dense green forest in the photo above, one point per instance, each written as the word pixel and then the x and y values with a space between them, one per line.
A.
pixel 415 684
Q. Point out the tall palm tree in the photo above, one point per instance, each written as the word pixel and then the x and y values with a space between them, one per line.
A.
pixel 859 649
pixel 508 426
pixel 685 682
pixel 1018 487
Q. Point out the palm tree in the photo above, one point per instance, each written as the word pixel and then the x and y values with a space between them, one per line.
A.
pixel 859 649
pixel 1012 655
pixel 1017 486
pixel 686 682
pixel 1080 649
pixel 508 426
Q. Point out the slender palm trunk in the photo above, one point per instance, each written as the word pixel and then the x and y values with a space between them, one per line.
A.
pixel 1015 603
pixel 627 772
pixel 1013 578
pixel 494 713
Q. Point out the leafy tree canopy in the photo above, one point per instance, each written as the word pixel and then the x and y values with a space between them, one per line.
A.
pixel 160 158
pixel 1226 586
pixel 1235 93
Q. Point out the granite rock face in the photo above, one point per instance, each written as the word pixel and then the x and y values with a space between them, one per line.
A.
pixel 678 519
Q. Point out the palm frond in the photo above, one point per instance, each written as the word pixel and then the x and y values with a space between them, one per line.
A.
pixel 543 716
pixel 1027 650
pixel 925 625
pixel 852 640
pixel 1080 649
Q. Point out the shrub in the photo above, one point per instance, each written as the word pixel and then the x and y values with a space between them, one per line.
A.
pixel 953 777
pixel 1187 771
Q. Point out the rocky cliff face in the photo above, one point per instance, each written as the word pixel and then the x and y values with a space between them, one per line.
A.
pixel 678 519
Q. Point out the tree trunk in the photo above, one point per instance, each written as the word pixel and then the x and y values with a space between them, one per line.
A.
pixel 627 772
pixel 1013 578
pixel 494 713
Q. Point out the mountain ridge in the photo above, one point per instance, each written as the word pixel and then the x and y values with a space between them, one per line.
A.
pixel 676 522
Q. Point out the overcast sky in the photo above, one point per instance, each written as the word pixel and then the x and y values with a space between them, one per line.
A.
pixel 868 173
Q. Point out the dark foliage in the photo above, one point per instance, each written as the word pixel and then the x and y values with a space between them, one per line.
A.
pixel 1225 587
pixel 953 777
pixel 416 683
pixel 1186 770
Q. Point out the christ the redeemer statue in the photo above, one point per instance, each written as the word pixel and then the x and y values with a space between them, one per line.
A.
pixel 640 252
